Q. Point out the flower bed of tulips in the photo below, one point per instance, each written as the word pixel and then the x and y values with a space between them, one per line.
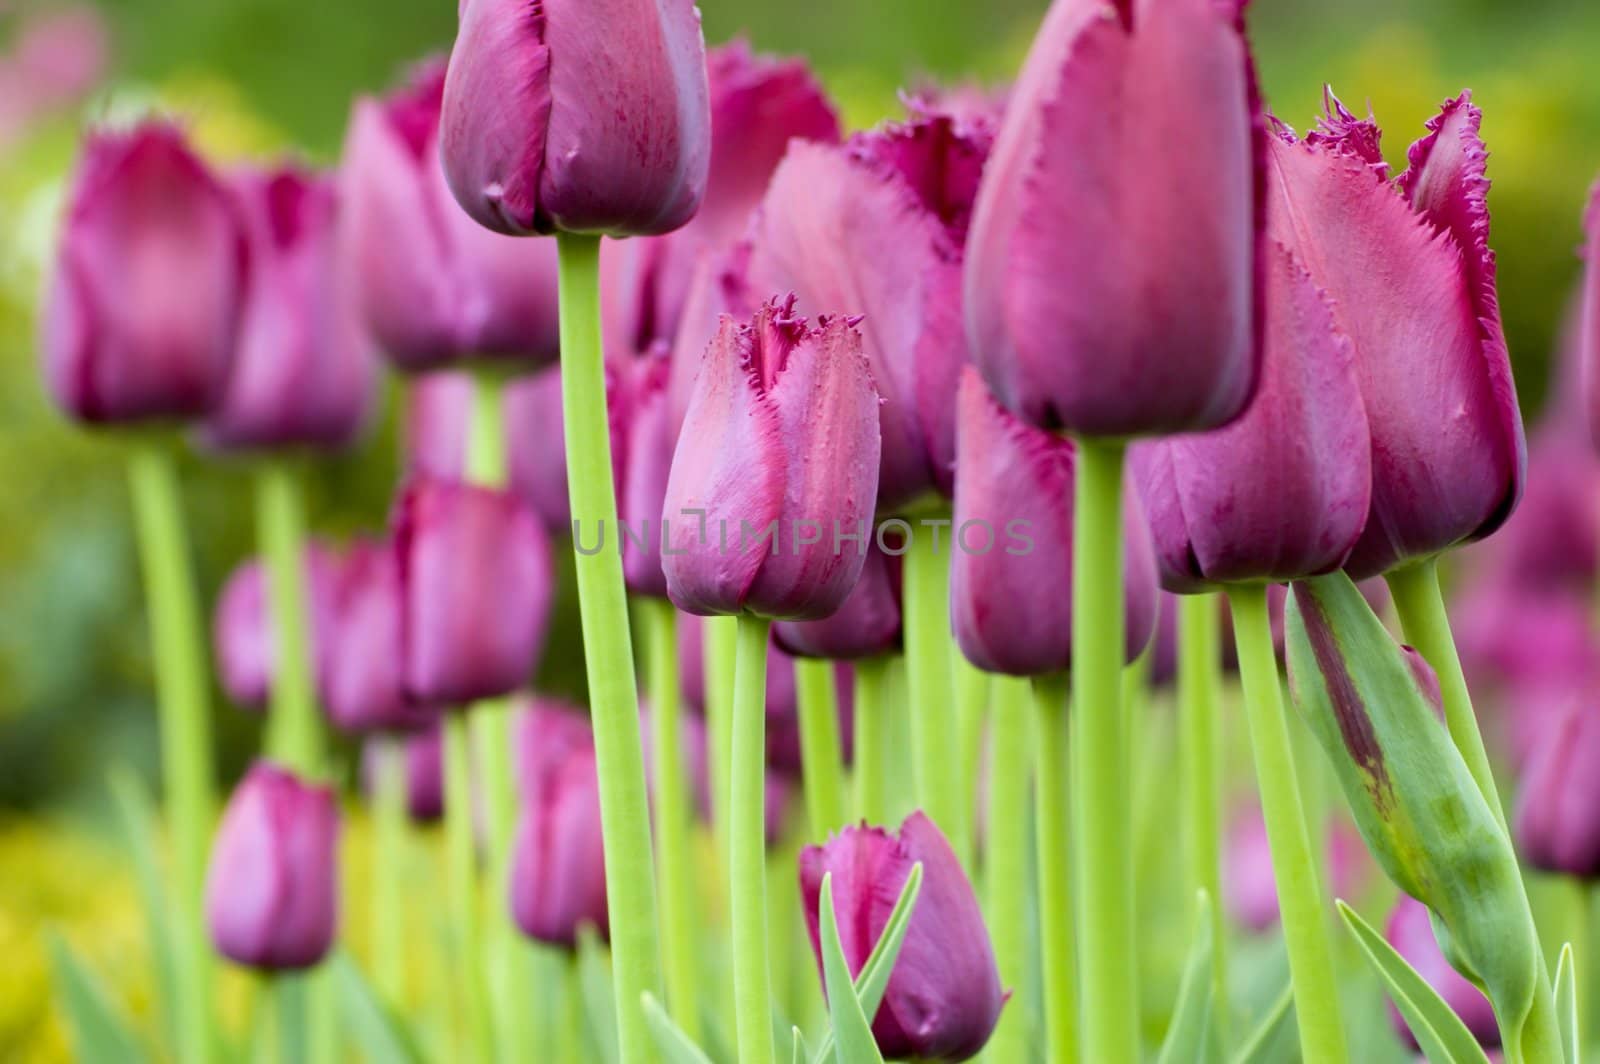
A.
pixel 947 503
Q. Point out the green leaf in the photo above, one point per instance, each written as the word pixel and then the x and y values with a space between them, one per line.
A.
pixel 1188 1038
pixel 850 1028
pixel 1567 1003
pixel 1257 1044
pixel 382 1036
pixel 599 1000
pixel 138 817
pixel 802 1052
pixel 99 1034
pixel 1439 1031
pixel 675 1046
pixel 873 979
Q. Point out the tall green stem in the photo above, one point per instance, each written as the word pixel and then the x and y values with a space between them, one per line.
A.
pixel 721 642
pixel 1102 806
pixel 388 868
pixel 674 863
pixel 935 732
pixel 1005 874
pixel 608 654
pixel 822 759
pixel 461 870
pixel 1303 908
pixel 972 707
pixel 1200 746
pixel 183 699
pixel 872 744
pixel 747 827
pixel 1056 827
pixel 294 728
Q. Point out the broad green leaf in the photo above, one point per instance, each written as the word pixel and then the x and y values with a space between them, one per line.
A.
pixel 380 1034
pixel 1567 1004
pixel 675 1046
pixel 1188 1038
pixel 851 1031
pixel 599 1000
pixel 873 979
pixel 138 817
pixel 1439 1031
pixel 1259 1041
pixel 802 1052
pixel 99 1034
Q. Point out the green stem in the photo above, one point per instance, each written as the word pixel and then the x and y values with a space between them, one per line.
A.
pixel 295 736
pixel 930 671
pixel 388 868
pixel 1300 898
pixel 183 698
pixel 1006 872
pixel 721 642
pixel 822 759
pixel 1102 814
pixel 1200 745
pixel 289 991
pixel 1052 807
pixel 752 979
pixel 972 706
pixel 674 862
pixel 608 655
pixel 461 869
pixel 872 744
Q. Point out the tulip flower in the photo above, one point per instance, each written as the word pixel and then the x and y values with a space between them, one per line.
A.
pixel 944 997
pixel 1250 889
pixel 1558 808
pixel 144 303
pixel 547 733
pixel 585 117
pixel 1010 577
pixel 778 792
pixel 646 461
pixel 475 587
pixel 56 59
pixel 272 893
pixel 1589 325
pixel 242 629
pixel 867 625
pixel 780 451
pixel 435 287
pixel 558 877
pixel 361 671
pixel 1155 333
pixel 424 769
pixel 304 372
pixel 1410 932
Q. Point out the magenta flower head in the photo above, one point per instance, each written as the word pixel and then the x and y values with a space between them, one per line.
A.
pixel 475 588
pixel 944 995
pixel 867 625
pixel 424 769
pixel 589 116
pixel 304 372
pixel 1410 932
pixel 820 233
pixel 242 630
pixel 149 280
pixel 272 890
pixel 546 733
pixel 1235 504
pixel 646 461
pixel 1558 809
pixel 558 875
pixel 1589 320
pixel 1010 568
pixel 1155 333
pixel 362 686
pixel 1411 279
pixel 777 463
pixel 435 287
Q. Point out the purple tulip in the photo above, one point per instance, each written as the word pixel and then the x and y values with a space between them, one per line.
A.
pixel 272 890
pixel 1410 932
pixel 435 287
pixel 148 284
pixel 1411 278
pixel 646 462
pixel 242 629
pixel 362 686
pixel 821 232
pixel 589 116
pixel 1011 570
pixel 547 732
pixel 779 791
pixel 1558 809
pixel 944 997
pixel 558 876
pixel 867 625
pixel 1249 885
pixel 1588 345
pixel 475 588
pixel 1155 331
pixel 1510 635
pixel 778 458
pixel 424 768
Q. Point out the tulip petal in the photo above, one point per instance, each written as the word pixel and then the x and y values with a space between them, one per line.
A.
pixel 1589 324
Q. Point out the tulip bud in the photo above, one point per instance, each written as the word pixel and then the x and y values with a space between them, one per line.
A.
pixel 1011 570
pixel 272 894
pixel 588 116
pixel 944 998
pixel 1156 332
pixel 1411 278
pixel 547 732
pixel 423 753
pixel 1558 809
pixel 435 287
pixel 1589 325
pixel 558 876
pixel 362 685
pixel 1511 637
pixel 475 587
pixel 778 458
pixel 149 279
pixel 1249 884
pixel 304 371
pixel 1410 932
pixel 647 460
pixel 243 632
pixel 867 625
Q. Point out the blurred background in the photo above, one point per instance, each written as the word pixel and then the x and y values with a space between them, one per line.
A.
pixel 257 77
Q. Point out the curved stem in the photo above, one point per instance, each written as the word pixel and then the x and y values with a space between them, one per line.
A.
pixel 1200 744
pixel 930 671
pixel 1006 874
pixel 1053 823
pixel 388 868
pixel 1300 898
pixel 822 760
pixel 872 741
pixel 752 979
pixel 608 655
pixel 295 735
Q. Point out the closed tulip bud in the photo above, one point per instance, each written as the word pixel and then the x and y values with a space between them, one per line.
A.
pixel 1410 932
pixel 1411 278
pixel 578 115
pixel 1588 345
pixel 777 459
pixel 558 874
pixel 149 279
pixel 1156 333
pixel 272 890
pixel 242 630
pixel 944 997
pixel 1510 636
pixel 1558 809
pixel 475 588
pixel 304 372
pixel 1249 886
pixel 423 755
pixel 1011 566
pixel 1551 545
pixel 867 625
pixel 647 448
pixel 1235 505
pixel 435 287
pixel 547 732
pixel 362 686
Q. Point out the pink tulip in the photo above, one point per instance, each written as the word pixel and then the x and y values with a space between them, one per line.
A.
pixel 867 625
pixel 1410 932
pixel 423 755
pixel 1589 323
pixel 243 629
pixel 1558 806
pixel 646 461
pixel 362 680
pixel 1249 886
